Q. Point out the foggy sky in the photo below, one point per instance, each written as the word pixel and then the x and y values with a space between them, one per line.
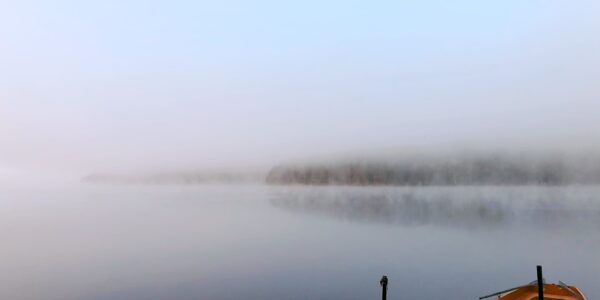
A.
pixel 87 85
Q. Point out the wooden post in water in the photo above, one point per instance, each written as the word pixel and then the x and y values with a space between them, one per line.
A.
pixel 540 283
pixel 383 282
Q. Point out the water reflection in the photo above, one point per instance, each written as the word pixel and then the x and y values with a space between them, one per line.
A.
pixel 471 207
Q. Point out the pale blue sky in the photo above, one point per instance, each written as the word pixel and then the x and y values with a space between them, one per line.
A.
pixel 88 85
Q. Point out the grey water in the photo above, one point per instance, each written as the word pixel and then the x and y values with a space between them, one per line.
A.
pixel 293 242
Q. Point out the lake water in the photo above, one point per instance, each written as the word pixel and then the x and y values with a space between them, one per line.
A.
pixel 265 242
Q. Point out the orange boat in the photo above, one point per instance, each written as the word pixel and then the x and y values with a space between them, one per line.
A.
pixel 551 292
pixel 535 290
pixel 540 290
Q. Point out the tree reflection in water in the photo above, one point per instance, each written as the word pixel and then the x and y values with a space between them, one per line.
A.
pixel 470 207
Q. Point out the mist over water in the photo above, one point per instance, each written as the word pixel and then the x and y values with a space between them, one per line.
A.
pixel 294 242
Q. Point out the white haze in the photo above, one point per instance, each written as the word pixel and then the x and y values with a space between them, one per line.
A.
pixel 138 86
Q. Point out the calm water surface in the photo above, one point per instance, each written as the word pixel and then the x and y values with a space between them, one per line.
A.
pixel 261 242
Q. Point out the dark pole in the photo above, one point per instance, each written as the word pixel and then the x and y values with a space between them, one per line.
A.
pixel 383 282
pixel 540 280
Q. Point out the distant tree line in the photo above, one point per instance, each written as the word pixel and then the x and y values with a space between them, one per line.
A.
pixel 479 170
pixel 176 178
